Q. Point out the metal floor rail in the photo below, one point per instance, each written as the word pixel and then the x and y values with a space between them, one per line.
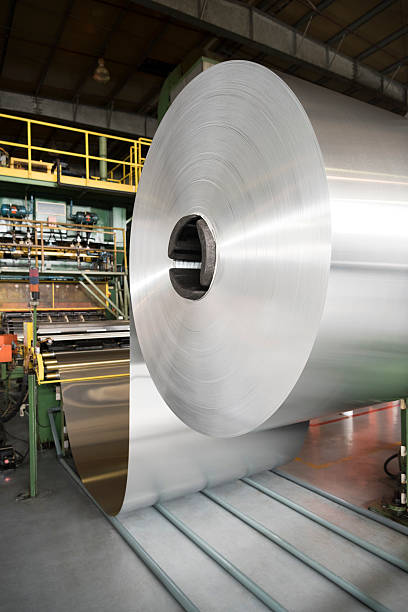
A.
pixel 378 518
pixel 251 586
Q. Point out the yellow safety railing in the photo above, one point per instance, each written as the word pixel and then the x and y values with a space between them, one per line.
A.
pixel 122 175
pixel 131 176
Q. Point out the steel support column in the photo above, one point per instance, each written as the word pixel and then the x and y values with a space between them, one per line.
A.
pixel 103 152
pixel 32 425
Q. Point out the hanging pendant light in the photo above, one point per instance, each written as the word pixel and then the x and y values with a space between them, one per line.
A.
pixel 101 73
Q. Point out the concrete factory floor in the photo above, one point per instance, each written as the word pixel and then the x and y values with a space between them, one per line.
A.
pixel 60 554
pixel 344 453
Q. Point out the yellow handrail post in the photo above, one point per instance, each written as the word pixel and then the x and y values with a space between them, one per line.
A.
pixel 136 160
pixel 124 250
pixel 86 157
pixel 29 147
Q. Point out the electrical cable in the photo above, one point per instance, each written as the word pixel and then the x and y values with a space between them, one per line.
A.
pixel 47 426
pixel 22 457
pixel 8 413
pixel 3 435
pixel 4 441
pixel 8 434
pixel 386 470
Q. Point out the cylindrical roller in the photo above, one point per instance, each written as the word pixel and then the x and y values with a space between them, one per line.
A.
pixel 52 375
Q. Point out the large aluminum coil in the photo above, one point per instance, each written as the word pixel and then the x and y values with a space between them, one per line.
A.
pixel 302 196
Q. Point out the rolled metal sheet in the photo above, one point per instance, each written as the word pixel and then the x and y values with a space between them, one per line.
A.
pixel 131 456
pixel 305 193
pixel 168 459
pixel 305 311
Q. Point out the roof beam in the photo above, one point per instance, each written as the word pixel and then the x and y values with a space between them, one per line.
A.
pixel 141 58
pixel 51 53
pixel 258 30
pixel 395 65
pixel 308 20
pixel 378 8
pixel 319 7
pixel 265 5
pixel 383 43
pixel 392 68
pixel 9 25
pixel 80 115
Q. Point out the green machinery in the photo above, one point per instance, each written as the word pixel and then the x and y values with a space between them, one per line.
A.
pixel 64 214
pixel 82 278
pixel 397 508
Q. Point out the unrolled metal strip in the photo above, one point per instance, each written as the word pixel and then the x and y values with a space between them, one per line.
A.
pixel 97 416
pixel 166 458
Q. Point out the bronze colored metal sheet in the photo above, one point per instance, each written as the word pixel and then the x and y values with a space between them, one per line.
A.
pixel 97 416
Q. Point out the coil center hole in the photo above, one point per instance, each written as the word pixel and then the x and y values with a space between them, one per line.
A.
pixel 193 252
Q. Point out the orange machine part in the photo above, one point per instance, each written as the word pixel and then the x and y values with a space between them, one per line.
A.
pixel 6 347
pixel 5 353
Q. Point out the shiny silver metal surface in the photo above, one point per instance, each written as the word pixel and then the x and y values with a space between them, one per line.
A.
pixel 360 356
pixel 237 149
pixel 168 459
pixel 86 326
pixel 131 456
pixel 59 337
pixel 306 192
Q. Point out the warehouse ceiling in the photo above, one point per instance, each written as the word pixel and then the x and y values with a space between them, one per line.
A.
pixel 51 49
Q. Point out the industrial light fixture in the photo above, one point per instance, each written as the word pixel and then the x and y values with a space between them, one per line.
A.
pixel 101 73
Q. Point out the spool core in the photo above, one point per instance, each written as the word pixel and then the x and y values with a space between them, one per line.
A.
pixel 192 242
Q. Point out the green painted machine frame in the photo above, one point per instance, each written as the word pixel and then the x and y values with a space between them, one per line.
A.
pixel 403 454
pixel 47 397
